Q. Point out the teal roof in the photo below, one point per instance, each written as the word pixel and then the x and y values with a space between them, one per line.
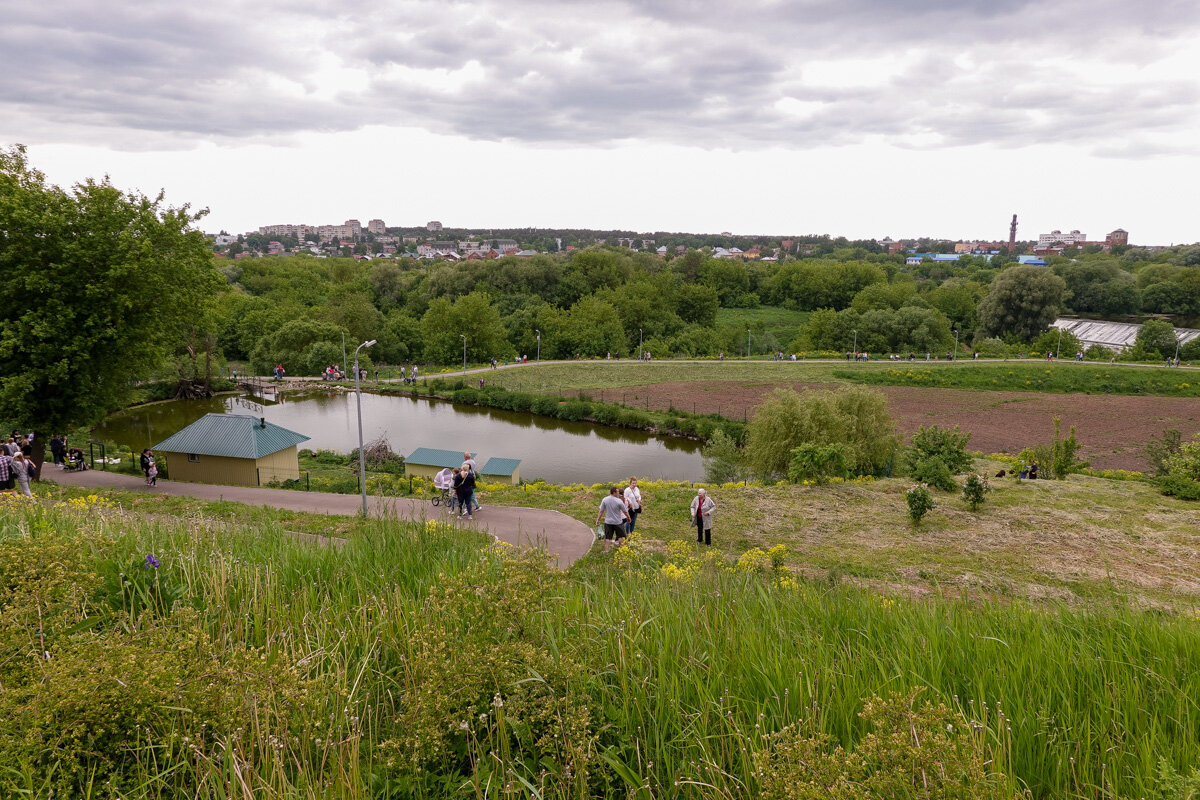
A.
pixel 500 466
pixel 231 436
pixel 432 457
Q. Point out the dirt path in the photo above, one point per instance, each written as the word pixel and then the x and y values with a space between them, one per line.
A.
pixel 565 538
pixel 1112 429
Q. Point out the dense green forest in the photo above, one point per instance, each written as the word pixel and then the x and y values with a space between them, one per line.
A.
pixel 604 300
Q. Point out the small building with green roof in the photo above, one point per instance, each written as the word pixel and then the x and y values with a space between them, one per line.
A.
pixel 234 450
pixel 429 461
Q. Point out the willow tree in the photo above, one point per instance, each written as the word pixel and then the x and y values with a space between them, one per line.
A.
pixel 99 288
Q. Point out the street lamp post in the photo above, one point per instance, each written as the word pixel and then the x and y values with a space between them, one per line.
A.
pixel 1176 359
pixel 343 352
pixel 955 358
pixel 362 458
pixel 854 349
pixel 463 336
pixel 1058 347
pixel 747 344
pixel 640 351
pixel 539 335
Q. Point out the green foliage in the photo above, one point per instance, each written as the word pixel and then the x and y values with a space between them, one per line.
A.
pixel 1182 478
pixel 1159 451
pixel 920 502
pixel 1021 301
pixel 817 463
pixel 1064 345
pixel 99 287
pixel 934 472
pixel 975 490
pixel 911 751
pixel 1064 453
pixel 446 323
pixel 854 417
pixel 945 444
pixel 880 330
pixel 1179 486
pixel 1156 337
pixel 304 347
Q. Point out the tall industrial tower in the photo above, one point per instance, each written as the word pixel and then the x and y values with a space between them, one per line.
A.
pixel 1012 234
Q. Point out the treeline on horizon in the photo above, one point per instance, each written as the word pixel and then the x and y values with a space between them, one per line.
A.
pixel 605 300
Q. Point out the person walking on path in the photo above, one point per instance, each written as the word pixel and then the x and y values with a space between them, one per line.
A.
pixel 612 511
pixel 466 489
pixel 144 462
pixel 702 511
pixel 23 471
pixel 57 448
pixel 152 472
pixel 469 466
pixel 633 503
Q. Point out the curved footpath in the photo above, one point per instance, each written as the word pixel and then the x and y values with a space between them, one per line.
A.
pixel 567 539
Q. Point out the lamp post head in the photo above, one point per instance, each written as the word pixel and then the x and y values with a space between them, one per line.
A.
pixel 369 344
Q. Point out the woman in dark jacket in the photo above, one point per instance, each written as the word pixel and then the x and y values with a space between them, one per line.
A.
pixel 145 464
pixel 465 488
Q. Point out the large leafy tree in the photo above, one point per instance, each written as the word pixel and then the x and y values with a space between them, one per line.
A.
pixel 98 287
pixel 1022 302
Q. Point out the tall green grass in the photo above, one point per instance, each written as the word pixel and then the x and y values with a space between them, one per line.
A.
pixel 417 661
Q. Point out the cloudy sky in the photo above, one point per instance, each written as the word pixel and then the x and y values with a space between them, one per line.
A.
pixel 852 117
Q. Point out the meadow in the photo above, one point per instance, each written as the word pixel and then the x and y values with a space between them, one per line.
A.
pixel 174 648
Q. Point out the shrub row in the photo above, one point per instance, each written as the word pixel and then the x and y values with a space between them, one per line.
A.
pixel 584 409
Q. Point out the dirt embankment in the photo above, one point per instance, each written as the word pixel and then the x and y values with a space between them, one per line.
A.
pixel 1112 429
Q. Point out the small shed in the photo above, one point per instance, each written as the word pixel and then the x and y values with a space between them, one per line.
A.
pixel 429 461
pixel 233 449
pixel 502 469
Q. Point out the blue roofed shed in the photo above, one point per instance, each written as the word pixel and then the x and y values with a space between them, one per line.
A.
pixel 502 469
pixel 233 449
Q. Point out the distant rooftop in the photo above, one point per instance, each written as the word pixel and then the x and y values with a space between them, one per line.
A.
pixel 433 457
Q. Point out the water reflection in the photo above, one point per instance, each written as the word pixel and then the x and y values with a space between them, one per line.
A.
pixel 559 451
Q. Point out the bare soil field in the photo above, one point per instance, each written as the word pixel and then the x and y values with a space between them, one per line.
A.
pixel 1112 429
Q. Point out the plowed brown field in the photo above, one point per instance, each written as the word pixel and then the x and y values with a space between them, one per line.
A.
pixel 1112 430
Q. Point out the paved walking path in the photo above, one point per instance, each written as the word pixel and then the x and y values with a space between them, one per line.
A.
pixel 564 537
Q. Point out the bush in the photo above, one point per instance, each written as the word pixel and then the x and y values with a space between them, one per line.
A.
pixel 1179 486
pixel 817 463
pixel 468 397
pixel 1063 454
pixel 519 401
pixel 855 417
pixel 547 406
pixel 575 410
pixel 975 489
pixel 910 751
pixel 945 444
pixel 605 414
pixel 632 418
pixel 920 502
pixel 723 460
pixel 934 472
pixel 1159 451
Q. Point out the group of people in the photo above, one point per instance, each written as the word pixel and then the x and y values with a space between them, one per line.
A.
pixel 412 378
pixel 461 482
pixel 65 456
pixel 619 511
pixel 16 463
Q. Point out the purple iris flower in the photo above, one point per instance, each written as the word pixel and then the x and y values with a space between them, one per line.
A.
pixel 152 562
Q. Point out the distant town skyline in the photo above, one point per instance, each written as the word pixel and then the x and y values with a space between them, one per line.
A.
pixel 857 118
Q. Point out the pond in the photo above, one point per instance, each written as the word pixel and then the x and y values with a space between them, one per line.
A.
pixel 556 450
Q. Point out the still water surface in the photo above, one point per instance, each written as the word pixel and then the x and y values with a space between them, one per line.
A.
pixel 558 451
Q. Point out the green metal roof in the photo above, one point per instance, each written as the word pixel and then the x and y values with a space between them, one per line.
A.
pixel 231 436
pixel 432 457
pixel 500 466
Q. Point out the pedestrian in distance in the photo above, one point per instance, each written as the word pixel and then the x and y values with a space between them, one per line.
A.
pixel 144 462
pixel 702 511
pixel 633 503
pixel 466 491
pixel 612 512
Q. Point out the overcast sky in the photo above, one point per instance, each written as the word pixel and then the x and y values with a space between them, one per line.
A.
pixel 862 118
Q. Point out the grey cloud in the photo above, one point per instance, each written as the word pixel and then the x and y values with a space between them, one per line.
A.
pixel 682 71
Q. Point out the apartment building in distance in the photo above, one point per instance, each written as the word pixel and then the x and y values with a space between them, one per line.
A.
pixel 1072 238
pixel 376 227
